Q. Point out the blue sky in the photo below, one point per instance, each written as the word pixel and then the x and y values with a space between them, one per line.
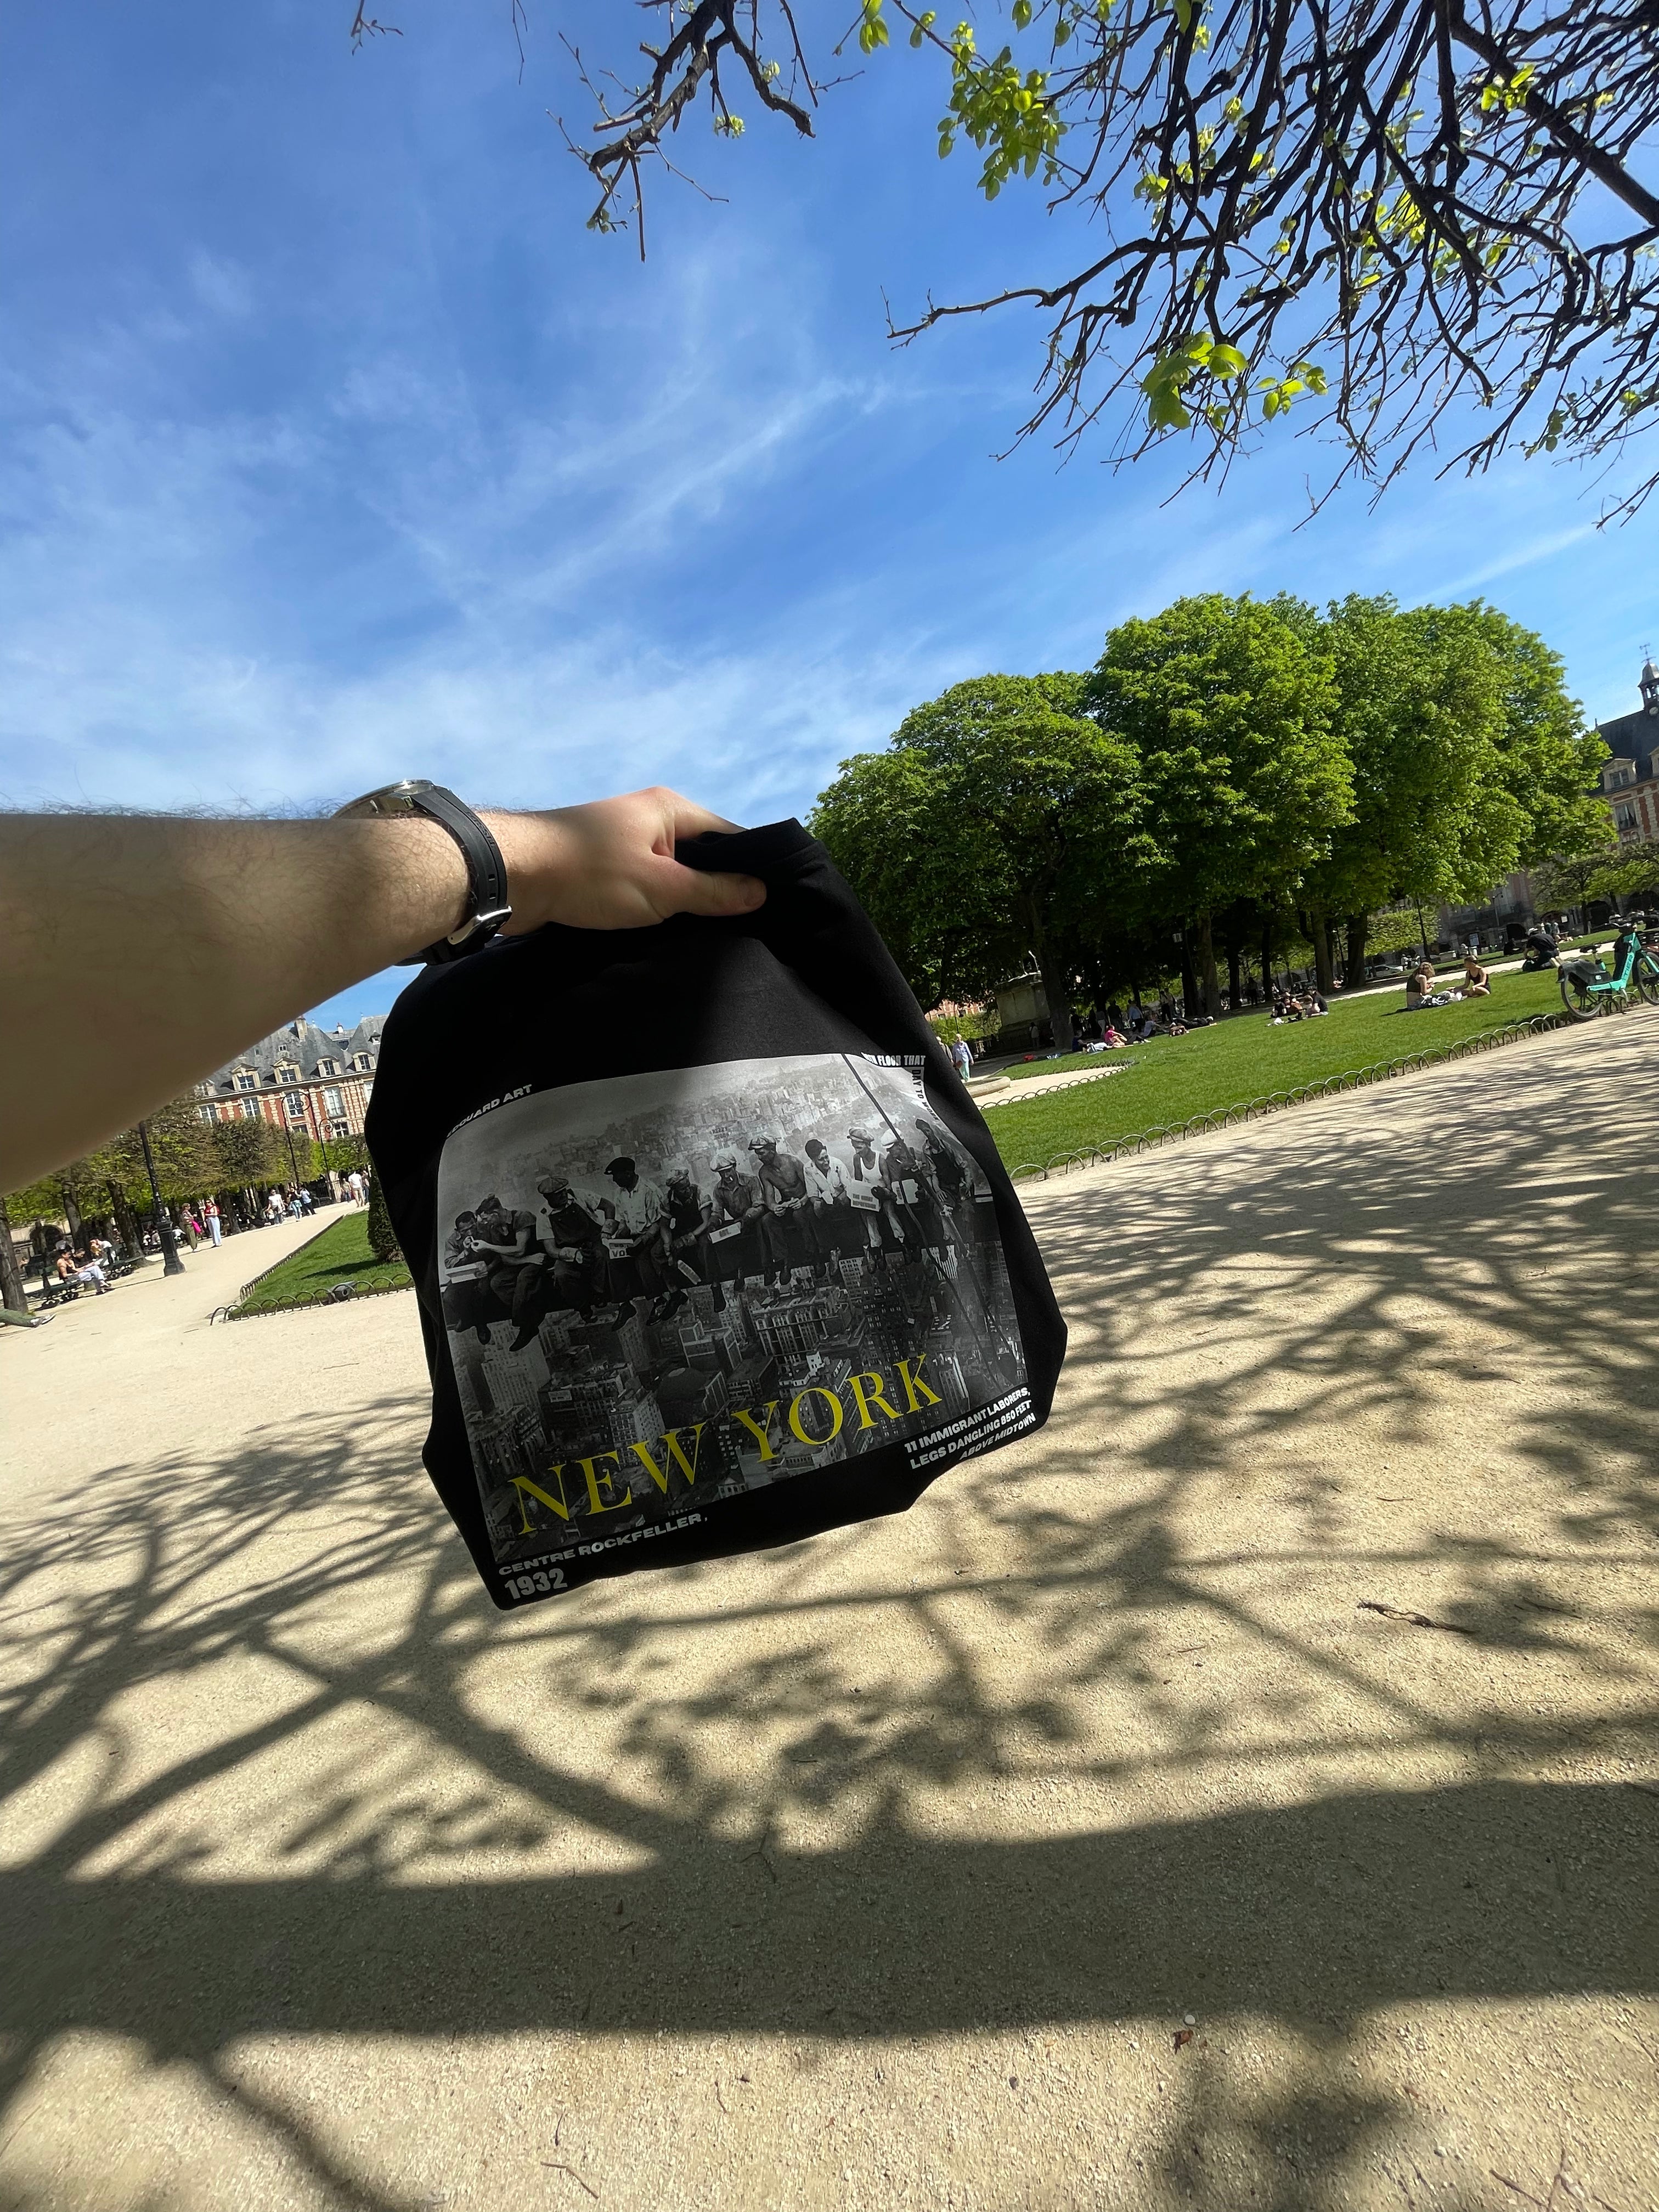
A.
pixel 336 449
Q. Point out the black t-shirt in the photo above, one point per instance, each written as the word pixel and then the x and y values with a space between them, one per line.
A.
pixel 763 1396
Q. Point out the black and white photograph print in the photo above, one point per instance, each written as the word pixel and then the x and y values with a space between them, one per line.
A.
pixel 665 1290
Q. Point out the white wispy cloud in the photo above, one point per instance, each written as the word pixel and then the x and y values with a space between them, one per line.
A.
pixel 145 663
pixel 709 553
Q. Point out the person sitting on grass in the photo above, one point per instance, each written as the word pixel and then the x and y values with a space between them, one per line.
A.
pixel 1420 991
pixel 1477 984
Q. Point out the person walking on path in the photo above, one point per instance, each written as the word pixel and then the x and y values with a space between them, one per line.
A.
pixel 210 1215
pixel 962 1058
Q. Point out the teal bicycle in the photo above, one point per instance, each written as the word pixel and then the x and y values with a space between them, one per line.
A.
pixel 1589 990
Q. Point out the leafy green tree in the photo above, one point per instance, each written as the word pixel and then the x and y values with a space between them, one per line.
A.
pixel 342 1154
pixel 181 1146
pixel 247 1153
pixel 1628 870
pixel 69 1193
pixel 881 820
pixel 1549 763
pixel 1000 817
pixel 1230 707
pixel 1470 761
pixel 1433 818
pixel 1560 882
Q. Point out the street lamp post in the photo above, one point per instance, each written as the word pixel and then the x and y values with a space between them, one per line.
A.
pixel 171 1263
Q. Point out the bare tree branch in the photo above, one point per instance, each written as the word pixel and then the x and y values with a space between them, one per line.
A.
pixel 1366 216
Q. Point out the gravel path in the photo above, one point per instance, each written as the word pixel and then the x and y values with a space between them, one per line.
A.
pixel 1301 1678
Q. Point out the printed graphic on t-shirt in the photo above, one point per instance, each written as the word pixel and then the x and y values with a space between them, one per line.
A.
pixel 663 1291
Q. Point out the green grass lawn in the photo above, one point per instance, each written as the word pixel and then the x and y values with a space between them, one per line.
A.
pixel 339 1254
pixel 1175 1078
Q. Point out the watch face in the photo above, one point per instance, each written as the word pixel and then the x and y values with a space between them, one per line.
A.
pixel 390 798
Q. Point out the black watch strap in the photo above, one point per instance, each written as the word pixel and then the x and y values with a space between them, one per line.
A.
pixel 486 871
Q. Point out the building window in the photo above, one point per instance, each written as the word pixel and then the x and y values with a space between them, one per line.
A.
pixel 296 1106
pixel 338 1129
pixel 1626 818
pixel 208 1114
pixel 245 1081
pixel 327 1067
pixel 249 1108
pixel 361 1063
pixel 333 1100
pixel 287 1074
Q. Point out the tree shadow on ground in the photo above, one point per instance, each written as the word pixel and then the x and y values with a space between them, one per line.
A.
pixel 393 1741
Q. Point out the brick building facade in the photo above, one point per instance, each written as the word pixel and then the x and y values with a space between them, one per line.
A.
pixel 316 1083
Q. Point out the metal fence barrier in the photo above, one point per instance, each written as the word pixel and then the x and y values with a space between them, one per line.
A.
pixel 1252 1110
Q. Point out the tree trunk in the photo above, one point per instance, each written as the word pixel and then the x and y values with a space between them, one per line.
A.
pixel 1235 977
pixel 1267 955
pixel 1057 989
pixel 1319 931
pixel 1056 984
pixel 126 1222
pixel 1207 977
pixel 1353 970
pixel 1188 973
pixel 12 1293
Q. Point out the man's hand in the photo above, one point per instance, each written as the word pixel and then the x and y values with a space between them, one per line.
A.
pixel 611 865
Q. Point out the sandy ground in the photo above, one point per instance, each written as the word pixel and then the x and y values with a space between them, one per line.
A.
pixel 888 1869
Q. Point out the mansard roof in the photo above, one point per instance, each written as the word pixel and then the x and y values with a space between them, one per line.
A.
pixel 301 1044
pixel 1633 738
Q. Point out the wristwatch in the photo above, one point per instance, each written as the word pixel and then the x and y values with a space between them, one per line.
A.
pixel 486 871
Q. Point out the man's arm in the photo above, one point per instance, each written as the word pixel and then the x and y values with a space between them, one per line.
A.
pixel 513 1251
pixel 138 953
